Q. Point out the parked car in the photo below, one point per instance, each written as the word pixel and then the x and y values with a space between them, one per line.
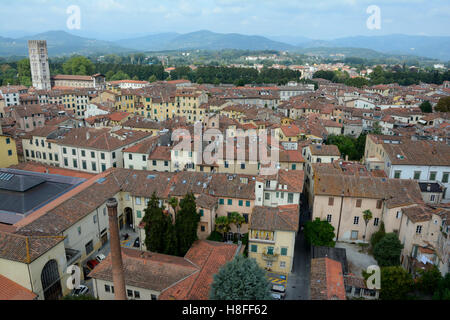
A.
pixel 81 290
pixel 100 257
pixel 92 263
pixel 276 296
pixel 279 290
pixel 136 243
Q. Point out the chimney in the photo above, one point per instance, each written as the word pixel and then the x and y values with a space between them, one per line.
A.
pixel 346 157
pixel 116 254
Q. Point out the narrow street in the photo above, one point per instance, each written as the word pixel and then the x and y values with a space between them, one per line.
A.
pixel 298 280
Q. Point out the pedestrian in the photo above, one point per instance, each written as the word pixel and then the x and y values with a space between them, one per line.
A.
pixel 301 228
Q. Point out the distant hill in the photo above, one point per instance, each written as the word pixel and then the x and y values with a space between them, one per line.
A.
pixel 62 43
pixel 59 43
pixel 203 39
pixel 425 46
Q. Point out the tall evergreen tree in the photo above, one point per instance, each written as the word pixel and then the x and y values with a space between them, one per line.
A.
pixel 186 223
pixel 158 227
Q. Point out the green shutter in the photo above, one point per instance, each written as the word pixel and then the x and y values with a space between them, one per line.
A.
pixel 247 203
pixel 241 203
pixel 221 201
pixel 254 248
pixel 139 215
pixel 284 251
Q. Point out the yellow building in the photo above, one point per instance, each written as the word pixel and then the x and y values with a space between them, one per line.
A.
pixel 8 151
pixel 272 234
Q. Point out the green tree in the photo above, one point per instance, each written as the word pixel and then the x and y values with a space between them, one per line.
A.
pixel 396 283
pixel 367 216
pixel 319 233
pixel 377 236
pixel 152 78
pixel 222 224
pixel 120 75
pixel 442 291
pixel 376 128
pixel 443 105
pixel 24 70
pixel 78 65
pixel 240 279
pixel 237 219
pixel 173 202
pixel 426 107
pixel 387 250
pixel 429 280
pixel 186 223
pixel 157 227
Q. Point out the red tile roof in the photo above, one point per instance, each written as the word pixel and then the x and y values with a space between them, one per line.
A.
pixel 10 290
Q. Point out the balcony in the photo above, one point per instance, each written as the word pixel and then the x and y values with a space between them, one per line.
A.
pixel 270 256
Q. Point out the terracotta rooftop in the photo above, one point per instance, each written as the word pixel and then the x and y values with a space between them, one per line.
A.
pixel 282 218
pixel 327 281
pixel 10 290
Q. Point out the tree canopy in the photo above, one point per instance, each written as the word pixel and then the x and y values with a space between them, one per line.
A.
pixel 240 279
pixel 387 250
pixel 426 107
pixel 396 283
pixel 349 146
pixel 186 223
pixel 443 105
pixel 78 65
pixel 319 233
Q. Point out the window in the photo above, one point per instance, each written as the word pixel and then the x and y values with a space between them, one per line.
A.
pixel 104 211
pixel 242 165
pixel 202 228
pixel 201 212
pixel 282 264
pixel 74 152
pixel 445 177
pixel 230 202
pixel 84 165
pixel 397 174
pixel 137 295
pixel 95 219
pixel 138 200
pixel 75 164
pixel 130 156
pixel 379 203
pixel 294 166
pixel 354 235
pixel 432 175
pixel 79 230
pixel 103 167
pixel 107 288
pixel 284 251
pixel 8 141
pixel 154 162
pixel 166 163
pixel 153 296
pixel 358 203
pixel 241 203
pixel 290 197
pixel 245 215
pixel 330 201
pixel 270 250
pixel 89 247
pixel 376 221
pixel 417 175
pixel 129 293
pixel 113 155
pixel 247 203
pixel 329 217
pixel 27 153
pixel 355 220
pixel 64 151
pixel 419 229
pixel 226 164
pixel 398 215
pixel 221 201
pixel 10 153
pixel 94 166
pixel 432 197
pixel 83 153
pixel 139 214
pixel 267 196
pixel 254 248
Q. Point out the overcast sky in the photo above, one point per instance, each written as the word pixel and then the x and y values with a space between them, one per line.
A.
pixel 318 19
